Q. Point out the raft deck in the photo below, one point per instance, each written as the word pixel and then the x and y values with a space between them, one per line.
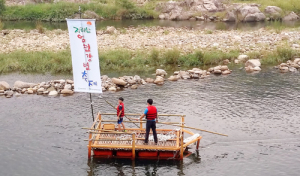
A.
pixel 105 141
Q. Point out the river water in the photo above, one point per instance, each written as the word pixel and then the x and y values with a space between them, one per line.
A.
pixel 259 111
pixel 163 23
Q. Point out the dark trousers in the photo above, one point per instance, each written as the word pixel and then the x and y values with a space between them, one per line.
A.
pixel 152 125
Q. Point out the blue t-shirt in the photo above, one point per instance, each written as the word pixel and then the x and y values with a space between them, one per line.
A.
pixel 146 111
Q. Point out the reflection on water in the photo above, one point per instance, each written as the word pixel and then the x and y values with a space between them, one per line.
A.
pixel 259 111
pixel 163 23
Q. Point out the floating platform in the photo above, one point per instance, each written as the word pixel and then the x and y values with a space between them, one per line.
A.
pixel 105 141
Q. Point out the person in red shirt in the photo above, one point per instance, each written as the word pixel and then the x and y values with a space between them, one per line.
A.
pixel 151 116
pixel 120 113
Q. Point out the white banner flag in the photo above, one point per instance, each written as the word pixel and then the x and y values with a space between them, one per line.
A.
pixel 85 60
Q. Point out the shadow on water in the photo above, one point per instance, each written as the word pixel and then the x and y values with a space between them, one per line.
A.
pixel 103 166
pixel 163 23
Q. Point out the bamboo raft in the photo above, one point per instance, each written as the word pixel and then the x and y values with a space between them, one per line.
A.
pixel 105 141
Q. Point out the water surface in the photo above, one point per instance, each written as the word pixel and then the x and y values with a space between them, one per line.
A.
pixel 162 23
pixel 259 111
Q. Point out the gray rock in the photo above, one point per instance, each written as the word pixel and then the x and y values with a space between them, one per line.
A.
pixel 66 91
pixel 4 85
pixel 257 69
pixel 172 78
pixel 112 89
pixel 242 58
pixel 291 17
pixel 110 30
pixel 20 84
pixel 1 91
pixel 134 86
pixel 226 72
pixel 41 89
pixel 118 81
pixel 160 72
pixel 251 13
pixel 149 80
pixel 51 89
pixel 68 86
pixel 253 63
pixel 230 17
pixel 159 80
pixel 45 92
pixel 70 81
pixel 8 94
pixel 53 93
pixel 273 12
pixel 17 94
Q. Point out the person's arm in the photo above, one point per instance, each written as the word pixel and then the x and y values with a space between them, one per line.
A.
pixel 143 115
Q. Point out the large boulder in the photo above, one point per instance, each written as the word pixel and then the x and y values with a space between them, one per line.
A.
pixel 253 63
pixel 20 84
pixel 291 17
pixel 119 82
pixel 251 13
pixel 4 85
pixel 230 17
pixel 160 72
pixel 273 12
pixel 159 80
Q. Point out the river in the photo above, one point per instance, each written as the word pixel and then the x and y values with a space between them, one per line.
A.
pixel 259 111
pixel 164 23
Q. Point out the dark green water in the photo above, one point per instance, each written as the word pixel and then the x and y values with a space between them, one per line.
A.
pixel 163 23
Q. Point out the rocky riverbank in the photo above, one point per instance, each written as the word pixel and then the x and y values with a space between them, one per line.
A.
pixel 66 87
pixel 147 38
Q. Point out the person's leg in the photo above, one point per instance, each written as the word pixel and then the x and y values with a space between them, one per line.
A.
pixel 148 125
pixel 119 127
pixel 123 126
pixel 153 126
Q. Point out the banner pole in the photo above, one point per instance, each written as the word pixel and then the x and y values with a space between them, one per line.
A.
pixel 92 107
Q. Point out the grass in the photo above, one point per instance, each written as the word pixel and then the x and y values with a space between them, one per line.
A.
pixel 125 60
pixel 59 11
pixel 285 5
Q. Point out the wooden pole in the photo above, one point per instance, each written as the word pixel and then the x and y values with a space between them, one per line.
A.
pixel 181 147
pixel 133 146
pixel 181 134
pixel 198 143
pixel 90 146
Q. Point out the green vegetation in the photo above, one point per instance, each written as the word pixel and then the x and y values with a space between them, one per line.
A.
pixel 2 6
pixel 285 5
pixel 281 54
pixel 36 62
pixel 117 9
pixel 121 59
